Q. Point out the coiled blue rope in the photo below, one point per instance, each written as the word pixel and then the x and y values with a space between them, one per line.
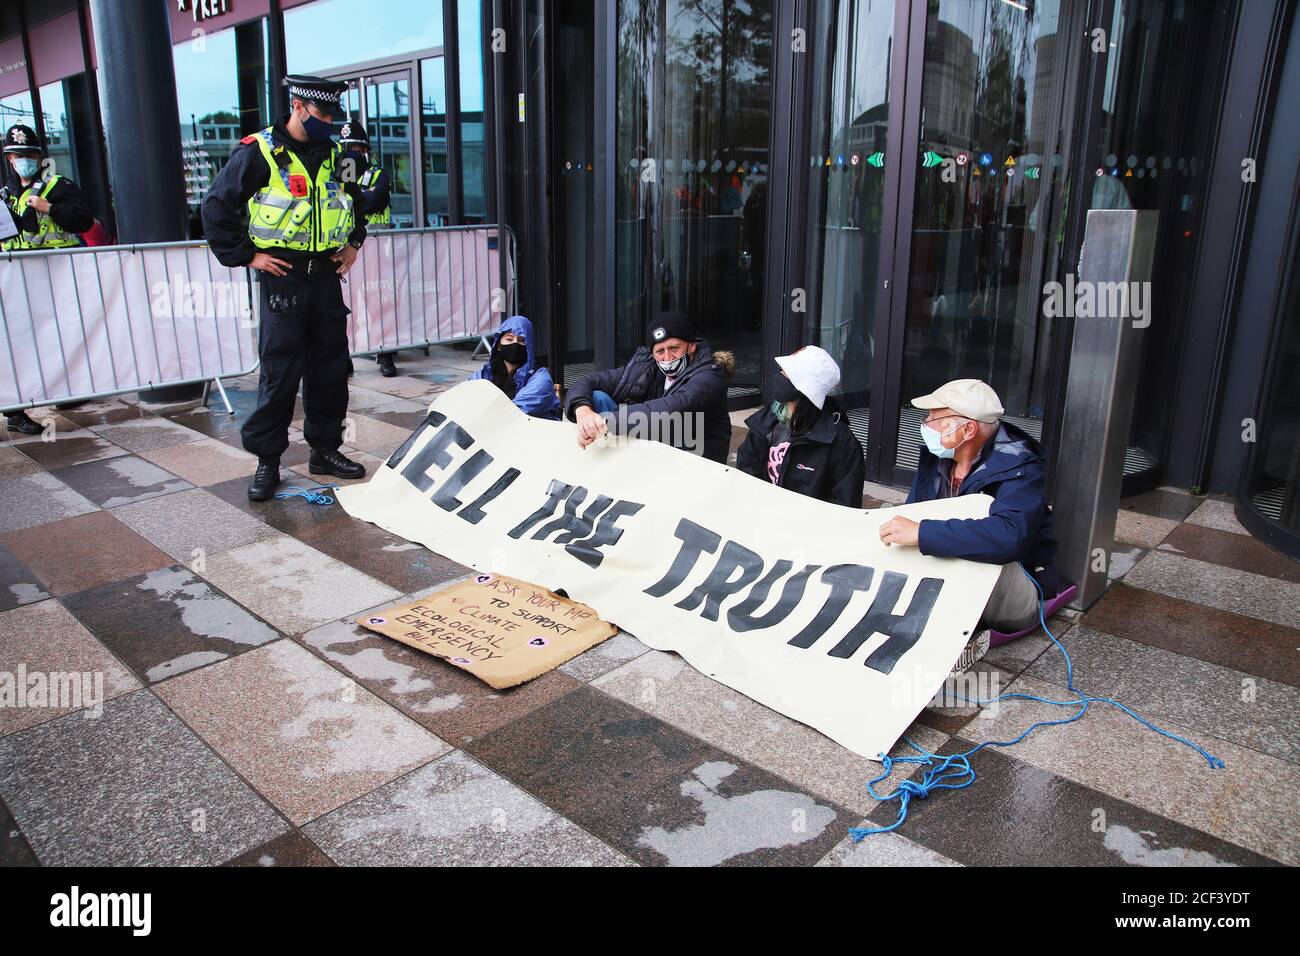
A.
pixel 314 496
pixel 954 771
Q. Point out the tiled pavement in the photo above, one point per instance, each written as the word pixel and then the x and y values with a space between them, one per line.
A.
pixel 248 722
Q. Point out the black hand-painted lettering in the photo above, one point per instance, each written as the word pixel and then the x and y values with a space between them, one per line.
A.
pixel 607 533
pixel 435 453
pixel 719 585
pixel 556 492
pixel 445 497
pixel 845 580
pixel 741 617
pixel 473 512
pixel 695 542
pixel 431 420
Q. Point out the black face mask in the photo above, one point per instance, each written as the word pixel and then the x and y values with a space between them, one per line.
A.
pixel 783 389
pixel 516 353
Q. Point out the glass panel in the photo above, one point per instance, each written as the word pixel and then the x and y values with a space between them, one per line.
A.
pixel 692 157
pixel 323 36
pixel 850 112
pixel 572 159
pixel 17 109
pixel 388 121
pixel 433 123
pixel 58 132
pixel 469 24
pixel 1274 486
pixel 1154 128
pixel 222 93
pixel 990 104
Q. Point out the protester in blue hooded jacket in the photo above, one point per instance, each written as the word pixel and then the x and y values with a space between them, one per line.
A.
pixel 511 367
pixel 970 450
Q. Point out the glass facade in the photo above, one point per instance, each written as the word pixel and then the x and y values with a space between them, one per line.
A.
pixel 693 126
pixel 982 224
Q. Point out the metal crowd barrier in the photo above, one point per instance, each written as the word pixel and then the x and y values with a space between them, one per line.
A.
pixel 93 322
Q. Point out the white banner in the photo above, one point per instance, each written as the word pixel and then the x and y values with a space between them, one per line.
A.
pixel 789 600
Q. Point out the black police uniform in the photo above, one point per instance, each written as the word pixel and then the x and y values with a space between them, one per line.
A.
pixel 303 335
pixel 68 209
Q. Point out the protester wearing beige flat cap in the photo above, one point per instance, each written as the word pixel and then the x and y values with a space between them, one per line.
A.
pixel 969 450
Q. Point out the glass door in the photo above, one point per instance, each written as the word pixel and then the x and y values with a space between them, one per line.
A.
pixel 846 169
pixel 983 226
pixel 694 116
pixel 382 102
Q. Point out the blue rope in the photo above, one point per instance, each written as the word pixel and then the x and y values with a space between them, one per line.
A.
pixel 954 771
pixel 314 496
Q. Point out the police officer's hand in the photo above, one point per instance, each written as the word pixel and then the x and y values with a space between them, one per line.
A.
pixel 902 531
pixel 265 262
pixel 39 204
pixel 345 257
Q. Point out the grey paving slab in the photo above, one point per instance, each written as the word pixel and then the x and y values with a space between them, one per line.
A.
pixel 132 787
pixel 1217 514
pixel 189 525
pixel 882 849
pixel 309 738
pixel 1168 687
pixel 456 812
pixel 1111 753
pixel 1228 589
pixel 39 498
pixel 665 685
pixel 1016 814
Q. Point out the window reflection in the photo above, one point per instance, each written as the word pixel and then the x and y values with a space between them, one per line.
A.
pixel 469 25
pixel 433 125
pixel 329 34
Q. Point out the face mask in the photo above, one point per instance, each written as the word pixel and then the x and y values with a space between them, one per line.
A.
pixel 516 353
pixel 357 158
pixel 26 168
pixel 671 369
pixel 783 389
pixel 934 441
pixel 318 131
pixel 782 412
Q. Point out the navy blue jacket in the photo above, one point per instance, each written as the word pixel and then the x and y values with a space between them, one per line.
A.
pixel 1019 525
pixel 639 385
pixel 534 388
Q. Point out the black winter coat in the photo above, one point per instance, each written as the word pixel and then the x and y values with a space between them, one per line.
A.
pixel 823 462
pixel 639 385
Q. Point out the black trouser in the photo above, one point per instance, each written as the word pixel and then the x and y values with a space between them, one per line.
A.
pixel 303 338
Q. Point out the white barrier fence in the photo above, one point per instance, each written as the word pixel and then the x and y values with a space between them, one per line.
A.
pixel 92 322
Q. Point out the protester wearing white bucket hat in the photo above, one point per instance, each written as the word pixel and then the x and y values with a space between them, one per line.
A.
pixel 801 441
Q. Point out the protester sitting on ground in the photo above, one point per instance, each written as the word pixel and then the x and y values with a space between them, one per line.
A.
pixel 511 367
pixel 969 450
pixel 674 390
pixel 801 441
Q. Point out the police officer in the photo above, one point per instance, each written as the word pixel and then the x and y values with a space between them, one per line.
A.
pixel 282 207
pixel 375 192
pixel 48 210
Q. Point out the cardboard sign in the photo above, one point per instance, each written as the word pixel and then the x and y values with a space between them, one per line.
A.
pixel 793 601
pixel 502 630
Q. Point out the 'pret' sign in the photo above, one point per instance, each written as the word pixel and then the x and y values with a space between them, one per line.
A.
pixel 202 9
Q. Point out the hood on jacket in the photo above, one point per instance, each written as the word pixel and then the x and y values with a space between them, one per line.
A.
pixel 822 430
pixel 522 327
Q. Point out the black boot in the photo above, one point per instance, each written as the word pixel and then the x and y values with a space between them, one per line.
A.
pixel 22 422
pixel 387 367
pixel 265 480
pixel 333 463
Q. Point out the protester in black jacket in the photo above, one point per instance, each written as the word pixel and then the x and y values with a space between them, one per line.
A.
pixel 673 390
pixel 801 441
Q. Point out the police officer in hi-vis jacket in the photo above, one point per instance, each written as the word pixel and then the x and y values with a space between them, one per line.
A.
pixel 48 210
pixel 283 207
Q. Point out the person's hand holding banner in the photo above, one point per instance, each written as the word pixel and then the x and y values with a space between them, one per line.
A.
pixel 902 531
pixel 591 425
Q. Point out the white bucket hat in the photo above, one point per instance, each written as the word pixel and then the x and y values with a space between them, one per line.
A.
pixel 812 371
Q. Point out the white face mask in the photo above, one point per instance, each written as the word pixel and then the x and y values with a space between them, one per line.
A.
pixel 934 441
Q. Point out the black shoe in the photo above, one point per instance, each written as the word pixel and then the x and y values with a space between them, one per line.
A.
pixel 22 422
pixel 265 480
pixel 333 463
pixel 387 367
